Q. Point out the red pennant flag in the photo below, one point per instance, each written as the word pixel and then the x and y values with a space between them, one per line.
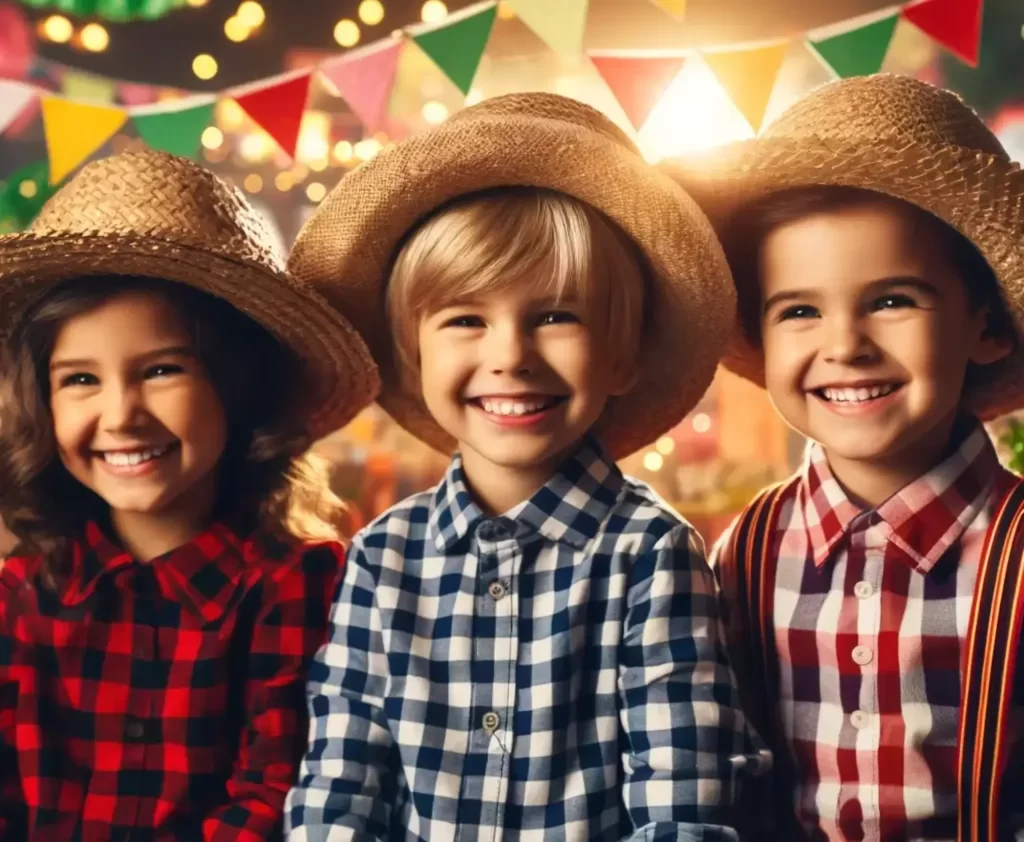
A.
pixel 278 108
pixel 955 24
pixel 638 82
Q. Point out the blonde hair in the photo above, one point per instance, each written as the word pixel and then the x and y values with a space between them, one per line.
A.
pixel 481 243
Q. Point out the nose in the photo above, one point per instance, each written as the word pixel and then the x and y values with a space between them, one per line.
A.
pixel 846 341
pixel 122 409
pixel 509 349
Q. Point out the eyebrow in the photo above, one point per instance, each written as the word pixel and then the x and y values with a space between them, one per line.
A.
pixel 85 362
pixel 880 285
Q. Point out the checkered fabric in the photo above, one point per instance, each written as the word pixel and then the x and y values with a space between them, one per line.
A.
pixel 871 613
pixel 159 702
pixel 557 673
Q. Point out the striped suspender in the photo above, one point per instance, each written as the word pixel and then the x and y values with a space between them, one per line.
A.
pixel 989 667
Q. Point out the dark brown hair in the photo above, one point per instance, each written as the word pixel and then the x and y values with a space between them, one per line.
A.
pixel 263 473
pixel 744 239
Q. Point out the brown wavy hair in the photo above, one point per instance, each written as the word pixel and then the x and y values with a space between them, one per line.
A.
pixel 267 485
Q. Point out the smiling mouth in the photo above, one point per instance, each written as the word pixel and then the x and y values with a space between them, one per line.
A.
pixel 854 395
pixel 518 408
pixel 134 458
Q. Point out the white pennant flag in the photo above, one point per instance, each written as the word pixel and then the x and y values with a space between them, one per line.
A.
pixel 14 97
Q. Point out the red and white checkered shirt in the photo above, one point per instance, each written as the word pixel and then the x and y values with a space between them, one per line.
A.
pixel 871 612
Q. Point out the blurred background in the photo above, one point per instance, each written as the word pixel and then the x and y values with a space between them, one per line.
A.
pixel 283 97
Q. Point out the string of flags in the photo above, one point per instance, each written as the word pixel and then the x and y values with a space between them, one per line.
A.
pixel 75 126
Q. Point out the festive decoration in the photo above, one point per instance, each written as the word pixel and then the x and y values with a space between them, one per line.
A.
pixel 857 52
pixel 748 76
pixel 25 193
pixel 458 45
pixel 85 86
pixel 113 10
pixel 74 131
pixel 955 24
pixel 676 8
pixel 14 97
pixel 1013 441
pixel 17 44
pixel 559 25
pixel 277 107
pixel 638 81
pixel 175 131
pixel 997 78
pixel 364 79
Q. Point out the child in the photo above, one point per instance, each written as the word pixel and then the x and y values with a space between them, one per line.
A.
pixel 877 239
pixel 531 649
pixel 157 617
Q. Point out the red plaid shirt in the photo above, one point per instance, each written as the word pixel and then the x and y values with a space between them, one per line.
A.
pixel 161 701
pixel 871 613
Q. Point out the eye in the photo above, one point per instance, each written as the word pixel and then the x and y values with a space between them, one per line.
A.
pixel 797 311
pixel 163 370
pixel 464 321
pixel 893 301
pixel 79 378
pixel 558 317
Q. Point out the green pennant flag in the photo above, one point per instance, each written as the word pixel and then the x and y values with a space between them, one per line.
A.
pixel 457 46
pixel 858 52
pixel 117 11
pixel 177 132
pixel 25 193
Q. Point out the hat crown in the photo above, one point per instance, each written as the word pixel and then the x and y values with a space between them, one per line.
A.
pixel 886 109
pixel 544 106
pixel 159 196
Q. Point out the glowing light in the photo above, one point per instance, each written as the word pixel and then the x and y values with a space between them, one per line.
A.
pixel 367 149
pixel 95 38
pixel 665 445
pixel 433 11
pixel 701 422
pixel 653 461
pixel 231 114
pixel 343 151
pixel 313 137
pixel 28 189
pixel 58 29
pixel 299 173
pixel 212 137
pixel 204 66
pixel 197 4
pixel 284 181
pixel 236 29
pixel 254 147
pixel 435 112
pixel 474 96
pixel 319 165
pixel 251 14
pixel 346 33
pixel 371 12
pixel 315 192
pixel 505 10
pixel 253 183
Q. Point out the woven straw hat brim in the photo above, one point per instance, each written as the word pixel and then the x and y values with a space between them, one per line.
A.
pixel 339 377
pixel 346 249
pixel 980 195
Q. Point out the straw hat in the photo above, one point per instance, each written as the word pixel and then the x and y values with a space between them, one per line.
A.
pixel 540 140
pixel 900 137
pixel 159 216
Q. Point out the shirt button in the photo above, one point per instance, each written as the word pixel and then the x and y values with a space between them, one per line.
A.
pixel 135 730
pixel 862 655
pixel 863 590
pixel 491 721
pixel 497 590
pixel 860 720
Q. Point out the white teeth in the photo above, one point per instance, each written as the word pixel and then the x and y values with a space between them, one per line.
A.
pixel 496 407
pixel 858 395
pixel 122 459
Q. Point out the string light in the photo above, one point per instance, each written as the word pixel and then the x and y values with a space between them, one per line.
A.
pixel 231 114
pixel 254 147
pixel 435 112
pixel 299 173
pixel 346 33
pixel 367 149
pixel 95 38
pixel 28 189
pixel 371 12
pixel 505 10
pixel 343 151
pixel 315 192
pixel 204 66
pixel 197 4
pixel 665 445
pixel 701 422
pixel 253 183
pixel 319 165
pixel 236 29
pixel 284 181
pixel 212 137
pixel 433 11
pixel 251 14
pixel 653 461
pixel 58 29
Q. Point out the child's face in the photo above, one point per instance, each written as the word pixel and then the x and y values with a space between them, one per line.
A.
pixel 867 333
pixel 516 378
pixel 136 418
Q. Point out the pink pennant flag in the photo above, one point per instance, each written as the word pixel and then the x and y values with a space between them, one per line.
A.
pixel 132 94
pixel 364 79
pixel 14 99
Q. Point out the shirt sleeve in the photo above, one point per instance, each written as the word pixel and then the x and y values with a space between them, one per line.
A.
pixel 687 742
pixel 13 809
pixel 347 778
pixel 291 626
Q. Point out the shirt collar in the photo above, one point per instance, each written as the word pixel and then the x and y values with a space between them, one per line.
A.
pixel 922 520
pixel 568 508
pixel 204 573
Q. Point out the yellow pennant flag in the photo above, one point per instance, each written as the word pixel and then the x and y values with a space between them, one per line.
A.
pixel 559 24
pixel 676 8
pixel 74 130
pixel 748 76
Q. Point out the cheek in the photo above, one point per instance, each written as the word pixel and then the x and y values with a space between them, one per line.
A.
pixel 71 425
pixel 785 358
pixel 197 418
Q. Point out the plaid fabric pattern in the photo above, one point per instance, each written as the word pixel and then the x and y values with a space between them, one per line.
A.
pixel 160 702
pixel 555 673
pixel 871 613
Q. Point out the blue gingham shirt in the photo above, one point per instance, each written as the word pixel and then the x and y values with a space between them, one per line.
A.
pixel 554 673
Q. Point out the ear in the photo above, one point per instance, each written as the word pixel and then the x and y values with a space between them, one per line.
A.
pixel 991 345
pixel 624 378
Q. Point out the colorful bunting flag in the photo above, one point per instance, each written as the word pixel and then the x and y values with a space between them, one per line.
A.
pixel 277 107
pixel 859 51
pixel 133 94
pixel 955 24
pixel 74 131
pixel 85 86
pixel 676 8
pixel 638 81
pixel 559 25
pixel 14 98
pixel 748 76
pixel 458 44
pixel 177 131
pixel 365 79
